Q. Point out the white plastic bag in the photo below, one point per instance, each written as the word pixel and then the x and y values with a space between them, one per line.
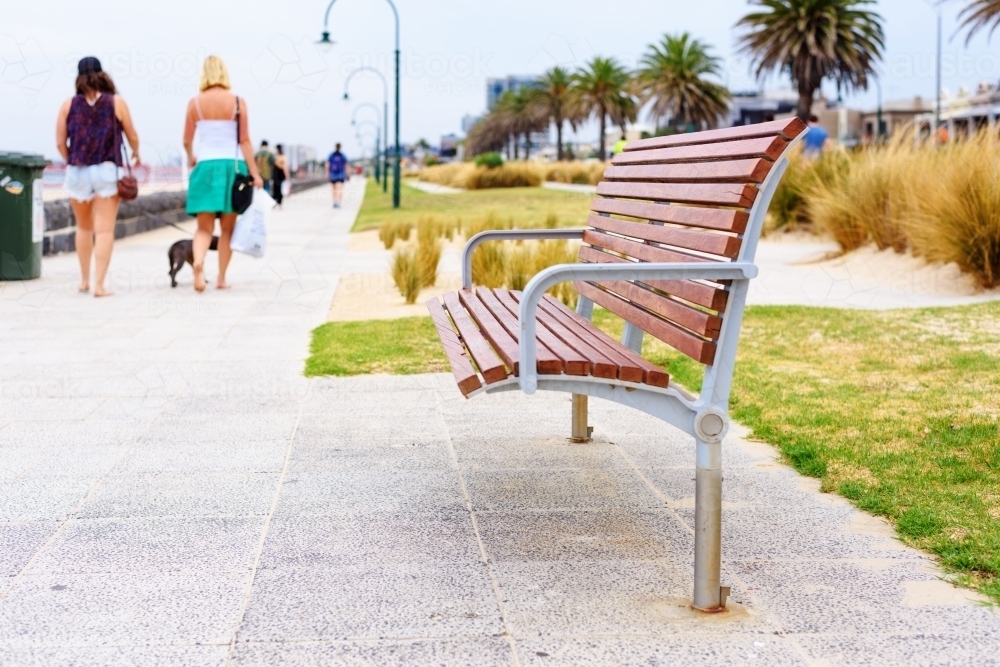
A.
pixel 250 235
pixel 286 188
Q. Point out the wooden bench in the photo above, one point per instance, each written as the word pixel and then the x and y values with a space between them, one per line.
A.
pixel 669 248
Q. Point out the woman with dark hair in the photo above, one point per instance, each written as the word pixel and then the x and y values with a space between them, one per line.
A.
pixel 280 174
pixel 88 136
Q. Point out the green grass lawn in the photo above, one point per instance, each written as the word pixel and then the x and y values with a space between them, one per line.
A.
pixel 524 206
pixel 895 410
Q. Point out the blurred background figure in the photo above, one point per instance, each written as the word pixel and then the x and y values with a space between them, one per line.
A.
pixel 337 166
pixel 279 174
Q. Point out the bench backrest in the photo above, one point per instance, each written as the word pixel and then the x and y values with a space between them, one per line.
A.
pixel 682 198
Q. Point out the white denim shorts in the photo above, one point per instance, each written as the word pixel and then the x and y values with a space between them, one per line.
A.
pixel 84 183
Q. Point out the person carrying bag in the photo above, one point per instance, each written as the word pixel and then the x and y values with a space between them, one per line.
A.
pixel 221 184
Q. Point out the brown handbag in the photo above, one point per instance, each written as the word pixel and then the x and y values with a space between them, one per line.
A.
pixel 128 186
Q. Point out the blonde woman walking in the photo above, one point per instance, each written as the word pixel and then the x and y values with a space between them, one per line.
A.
pixel 88 136
pixel 219 117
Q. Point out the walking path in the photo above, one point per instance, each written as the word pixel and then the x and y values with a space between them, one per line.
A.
pixel 174 492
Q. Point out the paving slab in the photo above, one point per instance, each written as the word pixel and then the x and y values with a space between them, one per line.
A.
pixel 173 491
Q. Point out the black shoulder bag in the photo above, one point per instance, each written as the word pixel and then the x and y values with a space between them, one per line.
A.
pixel 242 195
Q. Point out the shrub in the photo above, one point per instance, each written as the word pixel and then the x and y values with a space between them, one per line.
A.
pixel 580 173
pixel 406 274
pixel 489 160
pixel 957 211
pixel 431 161
pixel 489 264
pixel 508 175
pixel 428 250
pixel 387 234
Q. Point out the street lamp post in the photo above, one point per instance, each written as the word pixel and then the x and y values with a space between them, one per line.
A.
pixel 385 125
pixel 326 40
pixel 880 126
pixel 378 131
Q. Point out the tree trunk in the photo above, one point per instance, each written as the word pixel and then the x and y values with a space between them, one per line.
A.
pixel 516 147
pixel 602 154
pixel 559 145
pixel 527 145
pixel 804 109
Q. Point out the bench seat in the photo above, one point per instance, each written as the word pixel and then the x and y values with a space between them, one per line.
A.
pixel 479 330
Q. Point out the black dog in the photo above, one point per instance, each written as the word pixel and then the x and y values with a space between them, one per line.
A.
pixel 181 252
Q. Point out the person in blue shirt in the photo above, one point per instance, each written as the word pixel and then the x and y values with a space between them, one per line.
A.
pixel 336 164
pixel 816 138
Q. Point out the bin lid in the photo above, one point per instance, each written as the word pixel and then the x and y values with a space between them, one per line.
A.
pixel 23 160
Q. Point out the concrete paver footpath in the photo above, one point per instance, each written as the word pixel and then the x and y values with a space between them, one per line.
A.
pixel 174 492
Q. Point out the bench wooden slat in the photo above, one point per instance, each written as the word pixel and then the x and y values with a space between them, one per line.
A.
pixel 573 361
pixel 707 296
pixel 716 194
pixel 465 376
pixel 768 147
pixel 726 220
pixel 641 251
pixel 639 369
pixel 787 128
pixel 698 321
pixel 490 365
pixel 491 330
pixel 603 364
pixel 753 170
pixel 707 242
pixel 548 361
pixel 683 341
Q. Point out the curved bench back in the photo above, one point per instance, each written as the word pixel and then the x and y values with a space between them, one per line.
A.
pixel 696 197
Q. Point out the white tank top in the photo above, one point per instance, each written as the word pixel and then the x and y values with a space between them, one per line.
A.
pixel 216 139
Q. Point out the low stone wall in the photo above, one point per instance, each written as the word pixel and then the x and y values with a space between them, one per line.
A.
pixel 60 226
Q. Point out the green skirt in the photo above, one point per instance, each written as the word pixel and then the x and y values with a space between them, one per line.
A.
pixel 210 187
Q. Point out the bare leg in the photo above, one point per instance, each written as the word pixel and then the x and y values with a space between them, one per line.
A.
pixel 228 224
pixel 105 216
pixel 333 188
pixel 83 211
pixel 199 247
pixel 338 193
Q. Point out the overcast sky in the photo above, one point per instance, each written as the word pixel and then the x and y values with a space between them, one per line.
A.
pixel 450 47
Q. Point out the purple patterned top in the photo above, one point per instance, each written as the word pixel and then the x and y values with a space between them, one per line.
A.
pixel 92 130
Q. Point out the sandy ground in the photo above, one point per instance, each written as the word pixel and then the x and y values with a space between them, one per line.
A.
pixel 796 269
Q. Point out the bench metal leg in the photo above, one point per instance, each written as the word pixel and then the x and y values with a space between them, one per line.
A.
pixel 708 595
pixel 580 430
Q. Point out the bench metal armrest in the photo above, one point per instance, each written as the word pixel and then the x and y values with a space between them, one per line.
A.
pixel 536 288
pixel 509 235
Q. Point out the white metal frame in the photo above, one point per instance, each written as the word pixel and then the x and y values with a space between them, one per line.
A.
pixel 705 417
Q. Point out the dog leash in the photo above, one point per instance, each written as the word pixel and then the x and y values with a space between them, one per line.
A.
pixel 165 222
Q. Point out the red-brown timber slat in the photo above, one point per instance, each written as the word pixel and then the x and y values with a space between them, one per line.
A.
pixel 769 148
pixel 715 194
pixel 786 128
pixel 707 242
pixel 640 251
pixel 632 367
pixel 486 358
pixel 603 364
pixel 725 220
pixel 549 362
pixel 698 321
pixel 490 329
pixel 683 341
pixel 753 170
pixel 500 300
pixel 465 376
pixel 707 296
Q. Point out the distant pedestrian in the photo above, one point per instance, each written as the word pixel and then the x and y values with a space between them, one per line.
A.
pixel 816 138
pixel 337 166
pixel 88 136
pixel 218 116
pixel 265 164
pixel 280 174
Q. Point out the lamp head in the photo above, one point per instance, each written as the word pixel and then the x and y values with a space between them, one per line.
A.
pixel 346 96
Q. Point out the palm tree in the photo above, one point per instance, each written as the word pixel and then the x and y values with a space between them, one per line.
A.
pixel 980 14
pixel 812 40
pixel 599 88
pixel 672 76
pixel 554 99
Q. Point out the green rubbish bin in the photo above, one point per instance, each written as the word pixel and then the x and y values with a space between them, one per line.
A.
pixel 22 216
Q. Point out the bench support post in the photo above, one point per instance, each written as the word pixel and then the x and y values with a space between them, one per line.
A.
pixel 580 431
pixel 708 594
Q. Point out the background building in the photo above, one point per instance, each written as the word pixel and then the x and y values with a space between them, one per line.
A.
pixel 495 88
